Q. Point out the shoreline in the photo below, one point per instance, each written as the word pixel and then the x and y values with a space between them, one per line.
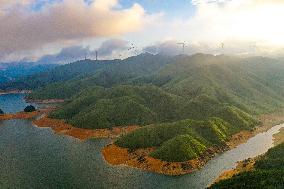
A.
pixel 15 92
pixel 139 159
pixel 61 127
pixel 242 166
pixel 47 101
pixel 39 119
pixel 115 155
pixel 279 137
pixel 21 115
pixel 248 164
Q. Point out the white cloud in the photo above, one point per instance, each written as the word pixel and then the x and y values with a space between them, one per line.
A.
pixel 199 2
pixel 63 23
pixel 7 3
pixel 235 22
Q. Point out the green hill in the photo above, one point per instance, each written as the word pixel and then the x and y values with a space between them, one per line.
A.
pixel 119 106
pixel 165 94
pixel 66 80
pixel 185 139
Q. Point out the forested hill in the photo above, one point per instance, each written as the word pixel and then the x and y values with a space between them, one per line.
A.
pixel 83 69
pixel 187 104
pixel 17 70
pixel 252 84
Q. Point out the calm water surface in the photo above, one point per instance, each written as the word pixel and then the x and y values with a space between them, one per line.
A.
pixel 11 103
pixel 32 157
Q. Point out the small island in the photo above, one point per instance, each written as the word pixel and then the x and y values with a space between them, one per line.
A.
pixel 30 108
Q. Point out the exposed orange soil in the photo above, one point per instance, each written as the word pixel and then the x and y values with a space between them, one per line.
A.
pixel 60 127
pixel 26 115
pixel 243 166
pixel 267 121
pixel 20 115
pixel 116 155
pixel 140 159
pixel 279 137
pixel 48 101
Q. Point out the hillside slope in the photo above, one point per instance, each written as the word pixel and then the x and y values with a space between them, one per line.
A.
pixel 18 70
pixel 268 173
pixel 66 80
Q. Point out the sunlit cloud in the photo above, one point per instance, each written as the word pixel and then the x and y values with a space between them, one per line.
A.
pixel 64 23
pixel 243 26
pixel 252 22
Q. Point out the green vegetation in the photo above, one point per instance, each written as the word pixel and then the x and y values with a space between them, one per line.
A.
pixel 67 80
pixel 1 112
pixel 268 173
pixel 180 148
pixel 119 106
pixel 17 70
pixel 165 95
pixel 30 108
pixel 182 140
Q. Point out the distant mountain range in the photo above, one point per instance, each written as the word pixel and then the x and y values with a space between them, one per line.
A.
pixel 15 70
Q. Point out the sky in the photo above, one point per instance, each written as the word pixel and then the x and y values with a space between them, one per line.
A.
pixel 61 31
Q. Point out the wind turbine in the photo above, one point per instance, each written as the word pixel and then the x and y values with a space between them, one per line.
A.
pixel 183 46
pixel 96 55
pixel 254 47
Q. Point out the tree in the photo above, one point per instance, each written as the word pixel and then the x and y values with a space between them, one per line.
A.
pixel 30 108
pixel 1 112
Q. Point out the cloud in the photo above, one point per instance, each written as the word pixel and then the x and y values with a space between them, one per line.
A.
pixel 7 3
pixel 64 23
pixel 172 47
pixel 166 47
pixel 199 2
pixel 111 46
pixel 234 22
pixel 74 53
pixel 66 55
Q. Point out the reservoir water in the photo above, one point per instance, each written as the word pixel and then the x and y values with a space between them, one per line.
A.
pixel 11 103
pixel 32 157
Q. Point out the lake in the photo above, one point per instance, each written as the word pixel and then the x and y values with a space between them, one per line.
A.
pixel 34 157
pixel 11 103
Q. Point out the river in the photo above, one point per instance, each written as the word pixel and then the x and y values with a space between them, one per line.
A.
pixel 32 157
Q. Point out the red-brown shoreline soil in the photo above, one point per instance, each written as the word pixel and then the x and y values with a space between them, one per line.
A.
pixel 20 115
pixel 61 127
pixel 140 159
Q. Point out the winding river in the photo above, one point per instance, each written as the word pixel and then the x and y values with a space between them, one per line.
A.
pixel 32 157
